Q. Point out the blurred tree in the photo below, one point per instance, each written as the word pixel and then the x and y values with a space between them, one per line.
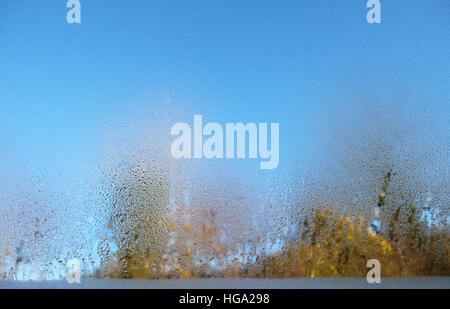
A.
pixel 139 199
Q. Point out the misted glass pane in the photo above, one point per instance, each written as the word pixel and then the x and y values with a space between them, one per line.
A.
pixel 199 139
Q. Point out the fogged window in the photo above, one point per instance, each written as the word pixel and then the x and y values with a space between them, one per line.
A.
pixel 115 130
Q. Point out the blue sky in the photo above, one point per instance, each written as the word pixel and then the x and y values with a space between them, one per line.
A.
pixel 269 61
